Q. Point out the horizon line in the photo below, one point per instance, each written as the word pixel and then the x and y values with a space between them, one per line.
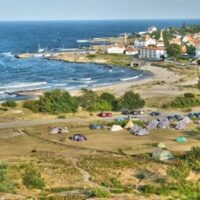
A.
pixel 52 20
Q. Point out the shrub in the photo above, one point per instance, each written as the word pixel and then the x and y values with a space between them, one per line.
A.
pixel 193 158
pixel 189 95
pixel 9 103
pixel 5 184
pixel 100 106
pixel 32 179
pixel 182 102
pixel 54 102
pixel 110 98
pixel 100 193
pixel 132 101
pixel 61 117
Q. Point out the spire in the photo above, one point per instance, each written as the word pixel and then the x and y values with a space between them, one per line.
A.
pixel 161 36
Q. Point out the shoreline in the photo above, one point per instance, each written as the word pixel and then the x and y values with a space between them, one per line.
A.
pixel 157 74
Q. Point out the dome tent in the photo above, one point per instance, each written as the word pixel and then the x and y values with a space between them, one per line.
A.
pixel 161 155
pixel 187 120
pixel 161 146
pixel 96 126
pixel 163 123
pixel 129 125
pixel 116 128
pixel 59 130
pixel 181 139
pixel 181 125
pixel 142 132
pixel 135 129
pixel 78 137
pixel 153 124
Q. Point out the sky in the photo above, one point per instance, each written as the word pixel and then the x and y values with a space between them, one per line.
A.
pixel 98 9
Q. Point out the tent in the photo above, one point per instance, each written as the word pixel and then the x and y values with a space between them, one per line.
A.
pixel 78 137
pixel 153 124
pixel 161 146
pixel 160 154
pixel 96 126
pixel 181 125
pixel 187 120
pixel 181 139
pixel 59 130
pixel 142 132
pixel 129 125
pixel 135 129
pixel 116 128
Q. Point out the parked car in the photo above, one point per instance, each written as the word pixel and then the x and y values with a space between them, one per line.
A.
pixel 103 114
pixel 155 113
pixel 125 112
pixel 137 112
pixel 178 117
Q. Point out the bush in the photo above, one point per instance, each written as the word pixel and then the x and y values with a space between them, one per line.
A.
pixel 100 106
pixel 100 193
pixel 193 158
pixel 5 184
pixel 132 101
pixel 9 103
pixel 110 99
pixel 189 95
pixel 183 102
pixel 54 102
pixel 32 179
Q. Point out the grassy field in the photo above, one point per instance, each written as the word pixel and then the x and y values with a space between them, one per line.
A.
pixel 118 162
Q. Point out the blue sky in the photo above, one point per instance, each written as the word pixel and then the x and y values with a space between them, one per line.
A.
pixel 98 9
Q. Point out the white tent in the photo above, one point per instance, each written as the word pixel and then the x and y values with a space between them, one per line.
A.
pixel 160 154
pixel 116 128
pixel 161 146
pixel 59 130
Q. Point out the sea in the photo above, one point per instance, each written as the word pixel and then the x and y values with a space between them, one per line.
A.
pixel 41 74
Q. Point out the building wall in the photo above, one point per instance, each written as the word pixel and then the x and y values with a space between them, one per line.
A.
pixel 198 51
pixel 116 50
pixel 151 54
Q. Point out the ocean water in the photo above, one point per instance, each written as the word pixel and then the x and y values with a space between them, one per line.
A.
pixel 36 73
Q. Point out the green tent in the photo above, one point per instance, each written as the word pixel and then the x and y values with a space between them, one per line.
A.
pixel 181 139
pixel 161 155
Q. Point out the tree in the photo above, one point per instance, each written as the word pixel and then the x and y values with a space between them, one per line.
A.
pixel 88 98
pixel 198 85
pixel 10 103
pixel 110 98
pixel 191 50
pixel 174 50
pixel 131 101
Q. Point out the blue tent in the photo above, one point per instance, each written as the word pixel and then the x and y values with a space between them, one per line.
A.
pixel 78 137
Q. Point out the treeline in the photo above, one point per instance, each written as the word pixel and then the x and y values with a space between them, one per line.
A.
pixel 59 101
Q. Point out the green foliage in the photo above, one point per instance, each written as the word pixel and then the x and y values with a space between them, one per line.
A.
pixel 100 193
pixel 185 102
pixel 32 179
pixel 198 84
pixel 88 98
pixel 180 171
pixel 189 95
pixel 5 184
pixel 193 158
pixel 174 50
pixel 54 102
pixel 101 105
pixel 110 98
pixel 191 50
pixel 32 105
pixel 132 101
pixel 10 103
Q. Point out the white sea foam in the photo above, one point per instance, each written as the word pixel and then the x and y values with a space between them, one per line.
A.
pixel 131 78
pixel 7 54
pixel 82 41
pixel 21 85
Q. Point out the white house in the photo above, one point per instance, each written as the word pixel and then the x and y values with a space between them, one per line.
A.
pixel 139 43
pixel 152 53
pixel 131 50
pixel 116 49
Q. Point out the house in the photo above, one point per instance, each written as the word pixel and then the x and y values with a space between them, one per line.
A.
pixel 144 42
pixel 152 53
pixel 188 39
pixel 116 49
pixel 131 50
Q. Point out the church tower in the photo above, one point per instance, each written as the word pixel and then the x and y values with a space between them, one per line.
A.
pixel 160 42
pixel 125 39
